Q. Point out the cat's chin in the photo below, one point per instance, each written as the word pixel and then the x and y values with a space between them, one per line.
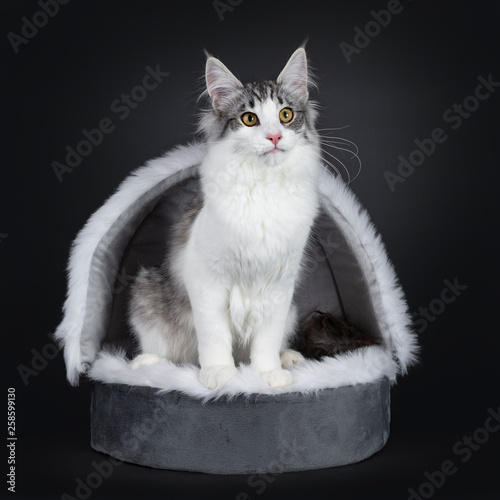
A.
pixel 274 157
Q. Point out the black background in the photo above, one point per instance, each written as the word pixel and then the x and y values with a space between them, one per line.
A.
pixel 439 224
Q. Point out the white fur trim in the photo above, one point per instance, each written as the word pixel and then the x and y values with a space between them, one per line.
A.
pixel 132 188
pixel 364 365
pixel 394 319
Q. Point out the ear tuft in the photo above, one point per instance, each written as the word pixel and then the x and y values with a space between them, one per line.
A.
pixel 294 75
pixel 221 83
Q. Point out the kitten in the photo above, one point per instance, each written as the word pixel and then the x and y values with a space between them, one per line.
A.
pixel 327 335
pixel 224 293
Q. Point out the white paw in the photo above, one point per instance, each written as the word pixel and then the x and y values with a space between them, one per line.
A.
pixel 144 360
pixel 289 358
pixel 215 377
pixel 277 378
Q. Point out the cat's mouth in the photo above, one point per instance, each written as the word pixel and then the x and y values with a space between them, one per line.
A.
pixel 274 156
pixel 275 150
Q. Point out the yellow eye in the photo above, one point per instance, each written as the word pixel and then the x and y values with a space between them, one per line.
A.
pixel 286 115
pixel 249 119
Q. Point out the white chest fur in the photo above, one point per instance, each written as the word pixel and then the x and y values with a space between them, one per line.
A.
pixel 256 215
pixel 244 253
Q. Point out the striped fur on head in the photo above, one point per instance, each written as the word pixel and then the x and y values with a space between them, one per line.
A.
pixel 230 98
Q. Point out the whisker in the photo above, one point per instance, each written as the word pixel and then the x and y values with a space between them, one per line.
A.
pixel 339 140
pixel 335 128
pixel 335 158
pixel 332 166
pixel 343 145
pixel 354 154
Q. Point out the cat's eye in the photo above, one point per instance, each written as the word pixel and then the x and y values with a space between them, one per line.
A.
pixel 286 115
pixel 249 119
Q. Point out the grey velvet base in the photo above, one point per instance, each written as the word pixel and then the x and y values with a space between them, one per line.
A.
pixel 242 435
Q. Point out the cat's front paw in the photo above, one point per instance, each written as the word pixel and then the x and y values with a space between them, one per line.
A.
pixel 290 358
pixel 215 377
pixel 277 378
pixel 144 360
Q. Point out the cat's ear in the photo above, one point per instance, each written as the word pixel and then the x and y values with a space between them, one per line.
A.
pixel 293 77
pixel 221 84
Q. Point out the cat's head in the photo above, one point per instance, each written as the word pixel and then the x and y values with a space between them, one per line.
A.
pixel 264 121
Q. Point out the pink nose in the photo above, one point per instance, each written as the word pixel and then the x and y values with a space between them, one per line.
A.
pixel 274 138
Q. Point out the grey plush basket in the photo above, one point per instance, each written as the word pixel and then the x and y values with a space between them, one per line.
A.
pixel 342 418
pixel 242 435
